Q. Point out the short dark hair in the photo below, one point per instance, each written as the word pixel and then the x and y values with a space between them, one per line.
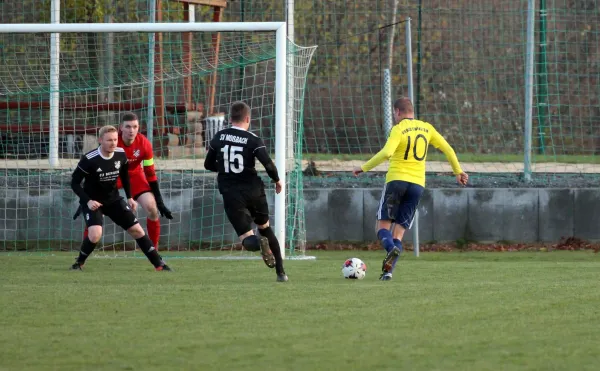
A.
pixel 129 116
pixel 238 111
pixel 404 105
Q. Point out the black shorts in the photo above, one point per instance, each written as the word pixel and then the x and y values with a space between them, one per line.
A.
pixel 118 211
pixel 243 207
pixel 399 201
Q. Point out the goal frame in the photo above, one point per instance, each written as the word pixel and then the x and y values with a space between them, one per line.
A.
pixel 281 123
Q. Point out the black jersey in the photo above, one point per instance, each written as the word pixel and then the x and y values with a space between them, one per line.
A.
pixel 232 155
pixel 100 174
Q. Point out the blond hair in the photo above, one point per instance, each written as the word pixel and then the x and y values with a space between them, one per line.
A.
pixel 106 129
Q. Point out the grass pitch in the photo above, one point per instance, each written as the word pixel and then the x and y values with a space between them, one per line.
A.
pixel 443 311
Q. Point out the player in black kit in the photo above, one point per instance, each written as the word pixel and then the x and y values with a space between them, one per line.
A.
pixel 99 196
pixel 232 153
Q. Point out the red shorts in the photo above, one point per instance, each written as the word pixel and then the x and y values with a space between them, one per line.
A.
pixel 139 184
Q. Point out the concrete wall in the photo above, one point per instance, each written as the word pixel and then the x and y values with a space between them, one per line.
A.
pixel 521 215
pixel 486 215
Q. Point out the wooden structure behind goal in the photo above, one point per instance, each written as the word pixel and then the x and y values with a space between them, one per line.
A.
pixel 166 136
pixel 195 112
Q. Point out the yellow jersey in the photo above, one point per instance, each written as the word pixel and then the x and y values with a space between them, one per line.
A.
pixel 406 148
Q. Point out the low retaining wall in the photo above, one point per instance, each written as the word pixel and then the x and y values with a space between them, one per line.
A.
pixel 520 215
pixel 485 215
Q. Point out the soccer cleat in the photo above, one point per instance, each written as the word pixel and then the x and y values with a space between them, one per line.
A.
pixel 282 277
pixel 76 266
pixel 266 253
pixel 385 277
pixel 389 260
pixel 164 268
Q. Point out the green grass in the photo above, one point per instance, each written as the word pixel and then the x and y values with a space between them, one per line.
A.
pixel 469 157
pixel 450 311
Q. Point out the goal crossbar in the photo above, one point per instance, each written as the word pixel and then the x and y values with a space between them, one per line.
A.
pixel 141 27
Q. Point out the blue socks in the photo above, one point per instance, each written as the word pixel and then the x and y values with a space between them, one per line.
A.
pixel 398 244
pixel 388 243
pixel 385 236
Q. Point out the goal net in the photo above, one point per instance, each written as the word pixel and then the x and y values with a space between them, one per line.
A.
pixel 180 83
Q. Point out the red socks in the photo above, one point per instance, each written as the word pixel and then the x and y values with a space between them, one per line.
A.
pixel 153 227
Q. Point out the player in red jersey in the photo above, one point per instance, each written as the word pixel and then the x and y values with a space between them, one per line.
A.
pixel 144 183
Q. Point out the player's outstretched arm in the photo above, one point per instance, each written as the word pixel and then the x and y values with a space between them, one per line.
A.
pixel 386 152
pixel 78 176
pixel 264 158
pixel 124 175
pixel 152 179
pixel 160 204
pixel 462 178
pixel 210 162
pixel 439 142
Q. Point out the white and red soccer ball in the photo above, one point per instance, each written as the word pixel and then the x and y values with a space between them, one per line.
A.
pixel 354 268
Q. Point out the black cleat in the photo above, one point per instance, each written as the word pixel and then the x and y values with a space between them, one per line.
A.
pixel 164 268
pixel 385 277
pixel 282 277
pixel 76 267
pixel 267 254
pixel 389 260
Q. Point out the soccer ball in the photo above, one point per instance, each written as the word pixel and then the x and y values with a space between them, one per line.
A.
pixel 354 268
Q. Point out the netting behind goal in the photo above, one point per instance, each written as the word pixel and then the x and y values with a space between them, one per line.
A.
pixel 196 76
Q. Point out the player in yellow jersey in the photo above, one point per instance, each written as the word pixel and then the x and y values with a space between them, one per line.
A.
pixel 406 149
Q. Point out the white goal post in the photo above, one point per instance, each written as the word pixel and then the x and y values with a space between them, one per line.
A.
pixel 281 78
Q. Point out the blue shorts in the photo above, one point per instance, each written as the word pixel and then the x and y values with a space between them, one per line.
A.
pixel 399 201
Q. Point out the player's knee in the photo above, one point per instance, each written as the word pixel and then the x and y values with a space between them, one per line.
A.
pixel 94 234
pixel 382 224
pixel 398 232
pixel 136 231
pixel 148 203
pixel 267 232
pixel 152 212
pixel 263 225
pixel 251 243
pixel 262 221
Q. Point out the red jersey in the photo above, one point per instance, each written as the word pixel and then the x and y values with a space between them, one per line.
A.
pixel 140 156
